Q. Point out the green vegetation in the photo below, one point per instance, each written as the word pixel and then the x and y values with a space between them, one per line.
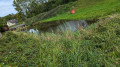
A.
pixel 62 9
pixel 3 20
pixel 34 7
pixel 96 46
pixel 85 9
pixel 1 25
pixel 89 9
pixel 54 12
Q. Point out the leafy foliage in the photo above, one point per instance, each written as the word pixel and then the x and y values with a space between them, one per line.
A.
pixel 31 8
pixel 3 20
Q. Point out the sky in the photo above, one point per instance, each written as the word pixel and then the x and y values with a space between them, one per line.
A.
pixel 6 8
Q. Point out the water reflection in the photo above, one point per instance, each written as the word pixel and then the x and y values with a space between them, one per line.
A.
pixel 33 31
pixel 72 25
pixel 60 26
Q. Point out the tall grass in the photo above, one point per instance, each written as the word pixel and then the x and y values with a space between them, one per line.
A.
pixel 96 46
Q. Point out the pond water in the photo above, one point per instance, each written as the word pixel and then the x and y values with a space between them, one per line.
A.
pixel 69 25
pixel 59 26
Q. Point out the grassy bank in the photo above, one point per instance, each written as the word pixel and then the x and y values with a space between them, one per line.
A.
pixel 96 46
pixel 62 9
pixel 89 9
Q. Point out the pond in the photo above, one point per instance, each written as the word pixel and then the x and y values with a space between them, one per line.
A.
pixel 58 26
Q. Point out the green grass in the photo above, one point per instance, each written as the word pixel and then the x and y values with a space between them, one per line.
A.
pixel 96 46
pixel 89 10
pixel 62 9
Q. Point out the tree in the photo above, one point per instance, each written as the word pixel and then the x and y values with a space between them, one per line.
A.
pixel 30 8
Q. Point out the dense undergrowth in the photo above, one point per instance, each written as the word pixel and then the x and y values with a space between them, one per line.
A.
pixel 96 46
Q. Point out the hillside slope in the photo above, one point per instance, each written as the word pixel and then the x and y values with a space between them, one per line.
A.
pixel 62 9
pixel 85 9
pixel 96 46
pixel 89 9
